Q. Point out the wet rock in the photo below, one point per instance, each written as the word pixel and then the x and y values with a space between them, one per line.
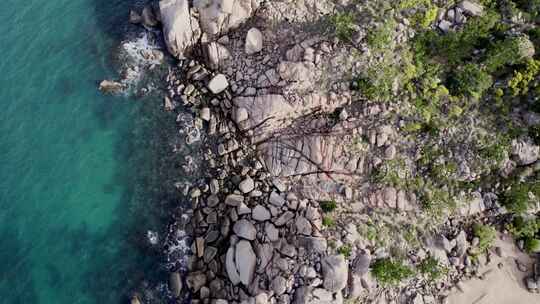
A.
pixel 245 229
pixel 134 17
pixel 196 280
pixel 218 84
pixel 111 87
pixel 335 273
pixel 254 41
pixel 148 17
pixel 175 284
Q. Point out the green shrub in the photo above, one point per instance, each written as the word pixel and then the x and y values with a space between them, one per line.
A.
pixel 532 245
pixel 486 234
pixel 510 51
pixel 516 199
pixel 328 221
pixel 524 228
pixel 471 81
pixel 381 37
pixel 519 83
pixel 343 25
pixel 345 250
pixel 431 268
pixel 390 272
pixel 328 206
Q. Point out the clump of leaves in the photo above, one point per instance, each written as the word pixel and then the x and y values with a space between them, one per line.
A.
pixel 516 198
pixel 328 221
pixel 345 250
pixel 343 25
pixel 524 227
pixel 470 80
pixel 328 206
pixel 381 37
pixel 431 268
pixel 532 245
pixel 519 83
pixel 486 234
pixel 390 272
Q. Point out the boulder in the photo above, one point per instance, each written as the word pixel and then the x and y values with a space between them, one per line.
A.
pixel 234 200
pixel 111 87
pixel 230 266
pixel 471 8
pixel 217 17
pixel 218 84
pixel 245 262
pixel 180 29
pixel 254 41
pixel 245 229
pixel 335 273
pixel 216 54
pixel 525 151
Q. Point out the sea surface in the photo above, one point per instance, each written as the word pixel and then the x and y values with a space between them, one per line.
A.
pixel 81 173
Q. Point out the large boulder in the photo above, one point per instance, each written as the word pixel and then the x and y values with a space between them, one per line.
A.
pixel 245 262
pixel 217 17
pixel 180 28
pixel 335 272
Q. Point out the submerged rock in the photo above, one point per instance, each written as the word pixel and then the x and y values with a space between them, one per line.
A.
pixel 111 87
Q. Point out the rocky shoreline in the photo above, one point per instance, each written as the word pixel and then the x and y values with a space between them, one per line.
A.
pixel 295 206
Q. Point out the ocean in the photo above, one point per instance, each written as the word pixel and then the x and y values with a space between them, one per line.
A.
pixel 84 176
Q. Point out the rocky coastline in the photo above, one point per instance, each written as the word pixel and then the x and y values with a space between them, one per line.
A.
pixel 295 204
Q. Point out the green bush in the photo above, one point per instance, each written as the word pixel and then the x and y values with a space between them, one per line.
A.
pixel 516 199
pixel 524 228
pixel 519 83
pixel 328 221
pixel 431 268
pixel 390 272
pixel 532 245
pixel 381 37
pixel 343 25
pixel 471 81
pixel 512 50
pixel 328 206
pixel 486 234
pixel 345 250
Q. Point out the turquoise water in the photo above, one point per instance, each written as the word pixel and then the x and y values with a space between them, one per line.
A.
pixel 79 170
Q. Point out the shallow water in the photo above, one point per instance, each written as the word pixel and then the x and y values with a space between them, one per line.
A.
pixel 80 172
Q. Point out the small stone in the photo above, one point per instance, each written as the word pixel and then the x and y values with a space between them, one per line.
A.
pixel 218 84
pixel 234 200
pixel 271 232
pixel 247 185
pixel 245 262
pixel 284 218
pixel 240 115
pixel 254 41
pixel 245 229
pixel 279 285
pixel 276 200
pixel 205 114
pixel 260 213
